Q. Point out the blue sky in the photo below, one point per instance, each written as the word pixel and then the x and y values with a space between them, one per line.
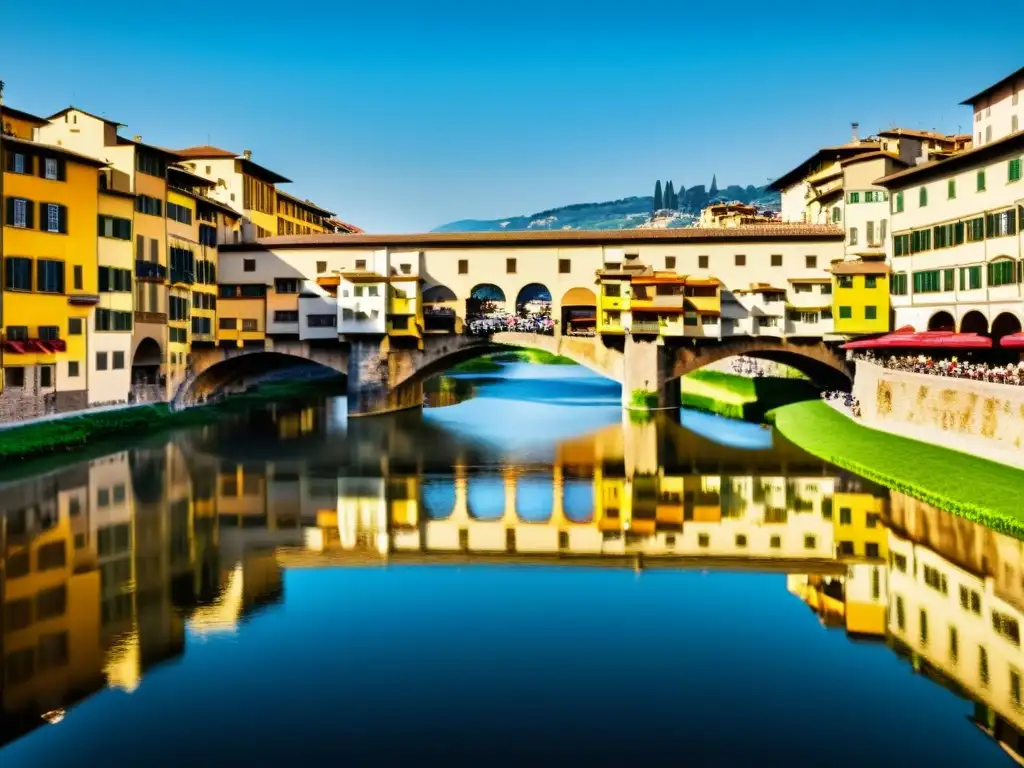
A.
pixel 402 116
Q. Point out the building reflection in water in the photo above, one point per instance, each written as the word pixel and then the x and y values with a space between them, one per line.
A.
pixel 107 565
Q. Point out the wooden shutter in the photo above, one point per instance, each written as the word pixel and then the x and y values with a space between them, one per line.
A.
pixel 140 248
pixel 62 219
pixel 62 170
pixel 29 215
pixel 9 210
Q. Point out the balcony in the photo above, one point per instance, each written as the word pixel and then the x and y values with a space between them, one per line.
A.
pixel 150 270
pixel 402 305
pixel 647 327
pixel 403 325
pixel 439 320
pixel 154 318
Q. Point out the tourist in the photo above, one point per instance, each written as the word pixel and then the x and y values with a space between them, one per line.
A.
pixel 1010 373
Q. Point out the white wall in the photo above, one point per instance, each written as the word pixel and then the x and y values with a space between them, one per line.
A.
pixel 993 117
pixel 356 298
pixel 110 385
pixel 794 202
pixel 320 305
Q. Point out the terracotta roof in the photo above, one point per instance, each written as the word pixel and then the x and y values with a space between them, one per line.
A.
pixel 761 288
pixel 809 280
pixel 64 111
pixel 339 224
pixel 825 153
pixel 994 87
pixel 860 268
pixel 205 151
pixel 873 156
pixel 52 149
pixel 28 117
pixel 304 203
pixel 551 237
pixel 168 153
pixel 915 134
pixel 953 163
pixel 824 175
pixel 195 179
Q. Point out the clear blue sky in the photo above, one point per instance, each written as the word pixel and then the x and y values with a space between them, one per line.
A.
pixel 402 115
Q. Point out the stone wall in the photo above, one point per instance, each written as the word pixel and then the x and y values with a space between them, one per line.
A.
pixel 971 416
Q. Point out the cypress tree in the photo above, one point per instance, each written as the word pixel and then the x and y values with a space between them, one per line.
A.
pixel 714 186
pixel 658 201
pixel 670 195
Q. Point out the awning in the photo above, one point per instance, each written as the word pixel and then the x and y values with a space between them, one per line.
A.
pixel 1013 341
pixel 924 340
pixel 706 304
pixel 808 307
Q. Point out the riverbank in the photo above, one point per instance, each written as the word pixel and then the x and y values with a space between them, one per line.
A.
pixel 975 488
pixel 493 363
pixel 742 397
pixel 74 432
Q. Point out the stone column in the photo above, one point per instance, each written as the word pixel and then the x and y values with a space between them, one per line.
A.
pixel 647 366
pixel 371 369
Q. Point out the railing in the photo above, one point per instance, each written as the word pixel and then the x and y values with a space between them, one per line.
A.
pixel 150 270
pixel 645 326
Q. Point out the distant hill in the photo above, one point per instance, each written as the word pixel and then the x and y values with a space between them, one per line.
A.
pixel 625 213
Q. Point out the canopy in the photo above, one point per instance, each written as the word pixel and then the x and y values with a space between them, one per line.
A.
pixel 1014 340
pixel 924 340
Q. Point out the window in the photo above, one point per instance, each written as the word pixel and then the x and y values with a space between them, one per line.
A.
pixel 1002 273
pixel 49 276
pixel 564 266
pixel 975 229
pixel 988 133
pixel 510 266
pixel 810 542
pixel 179 213
pixel 248 265
pixel 845 313
pixel 870 281
pixel 151 206
pixel 1001 224
pixel 898 284
pixel 1014 122
pixel 18 274
pixel 249 326
pixel 836 214
pixel 776 259
pixel 321 266
pixel 149 164
pixel 981 181
pixel 406 269
pixel 45 376
pixel 360 263
pixel 50 168
pixel 870 233
pixel 923 626
pixel 286 316
pixel 702 262
pixel 72 369
pixel 101 361
pixel 811 262
pixel 1006 626
pixel 372 290
pixel 951 189
pixel 920 240
pixel 927 281
pixel 741 260
pixel 14 378
pixel 923 197
pixel 16 162
pixel 118 361
pixel 870 313
pixel 154 250
pixel 741 541
pixel 970 278
pixel 826 289
pixel 853 197
pixel 53 218
pixel 49 332
pixel 76 277
pixel 320 321
pixel 948 279
pixel 228 323
pixel 845 281
pixel 936 580
pixel 463 266
pixel 853 235
pixel 113 320
pixel 898 203
pixel 286 285
pixel 983 665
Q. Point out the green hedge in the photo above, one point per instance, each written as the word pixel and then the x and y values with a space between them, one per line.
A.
pixel 978 489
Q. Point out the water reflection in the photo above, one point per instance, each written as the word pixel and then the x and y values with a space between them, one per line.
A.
pixel 109 565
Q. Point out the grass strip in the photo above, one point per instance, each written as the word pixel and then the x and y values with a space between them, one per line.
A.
pixel 978 489
pixel 742 397
pixel 75 432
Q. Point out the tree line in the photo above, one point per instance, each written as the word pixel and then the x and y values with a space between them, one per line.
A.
pixel 695 198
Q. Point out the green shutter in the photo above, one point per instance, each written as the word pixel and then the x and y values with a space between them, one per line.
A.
pixel 951 188
pixel 981 181
pixel 1014 170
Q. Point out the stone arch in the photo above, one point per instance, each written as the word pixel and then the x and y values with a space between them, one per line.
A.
pixel 146 362
pixel 441 310
pixel 824 366
pixel 238 372
pixel 1005 324
pixel 439 496
pixel 533 299
pixel 974 322
pixel 485 497
pixel 579 311
pixel 941 321
pixel 535 497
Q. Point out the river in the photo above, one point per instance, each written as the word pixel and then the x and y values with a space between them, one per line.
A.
pixel 515 574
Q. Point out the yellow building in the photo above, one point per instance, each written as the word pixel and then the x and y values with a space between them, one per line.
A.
pixel 182 243
pixel 50 272
pixel 20 125
pixel 613 314
pixel 857 525
pixel 241 315
pixel 860 297
pixel 300 217
pixel 405 307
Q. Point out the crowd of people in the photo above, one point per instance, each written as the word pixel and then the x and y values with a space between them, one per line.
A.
pixel 846 399
pixel 498 322
pixel 954 367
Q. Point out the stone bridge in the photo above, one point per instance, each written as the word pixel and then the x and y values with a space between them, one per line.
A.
pixel 383 377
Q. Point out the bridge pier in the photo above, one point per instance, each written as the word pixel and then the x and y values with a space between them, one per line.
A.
pixel 373 369
pixel 648 368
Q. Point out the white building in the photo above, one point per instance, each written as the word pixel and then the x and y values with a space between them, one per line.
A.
pixel 363 294
pixel 999 109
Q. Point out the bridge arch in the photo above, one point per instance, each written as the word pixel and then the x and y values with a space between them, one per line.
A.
pixel 484 299
pixel 218 374
pixel 826 367
pixel 578 311
pixel 146 361
pixel 441 310
pixel 533 299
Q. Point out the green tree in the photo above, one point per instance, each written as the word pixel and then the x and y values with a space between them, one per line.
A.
pixel 670 195
pixel 658 200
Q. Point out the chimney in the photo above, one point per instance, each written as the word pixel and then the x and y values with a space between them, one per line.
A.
pixel 136 138
pixel 247 154
pixel 855 127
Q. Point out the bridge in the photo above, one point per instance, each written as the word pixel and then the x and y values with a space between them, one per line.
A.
pixel 383 377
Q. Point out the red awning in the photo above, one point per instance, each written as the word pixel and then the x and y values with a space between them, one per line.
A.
pixel 1014 340
pixel 903 339
pixel 38 346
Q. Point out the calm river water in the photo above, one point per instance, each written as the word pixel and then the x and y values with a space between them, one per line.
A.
pixel 514 575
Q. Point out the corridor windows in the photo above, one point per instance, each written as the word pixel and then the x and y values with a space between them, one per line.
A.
pixel 510 266
pixel 670 263
pixel 18 274
pixel 112 226
pixel 741 260
pixel 776 259
pixel 811 262
pixel 703 261
pixel 564 266
pixel 463 266
pixel 970 278
pixel 113 320
pixel 1002 273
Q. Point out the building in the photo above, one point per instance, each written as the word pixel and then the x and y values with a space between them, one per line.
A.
pixel 241 184
pixel 666 283
pixel 998 109
pixel 860 297
pixel 734 214
pixel 51 206
pixel 955 225
pixel 140 170
pixel 301 217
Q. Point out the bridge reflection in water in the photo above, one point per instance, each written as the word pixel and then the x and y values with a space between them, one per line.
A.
pixel 108 565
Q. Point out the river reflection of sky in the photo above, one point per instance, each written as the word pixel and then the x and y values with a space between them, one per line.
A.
pixel 728 432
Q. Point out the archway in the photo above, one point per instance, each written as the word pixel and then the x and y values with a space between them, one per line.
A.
pixel 579 312
pixel 1006 324
pixel 486 497
pixel 535 497
pixel 485 309
pixel 438 498
pixel 240 372
pixel 146 363
pixel 578 499
pixel 533 309
pixel 440 310
pixel 942 321
pixel 974 322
